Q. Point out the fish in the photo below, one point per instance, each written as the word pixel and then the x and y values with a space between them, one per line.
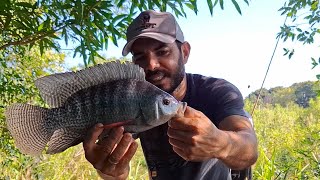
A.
pixel 110 93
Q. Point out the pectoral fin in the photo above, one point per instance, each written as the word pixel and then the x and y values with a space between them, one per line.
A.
pixel 64 138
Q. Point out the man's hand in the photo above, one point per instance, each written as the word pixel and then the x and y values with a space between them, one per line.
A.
pixel 111 155
pixel 194 137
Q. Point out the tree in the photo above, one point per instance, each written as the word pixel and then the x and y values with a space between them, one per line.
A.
pixel 299 93
pixel 303 26
pixel 17 75
pixel 90 24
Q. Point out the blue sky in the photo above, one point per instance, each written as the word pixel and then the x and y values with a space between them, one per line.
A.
pixel 238 48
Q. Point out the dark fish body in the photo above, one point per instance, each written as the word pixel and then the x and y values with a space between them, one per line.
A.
pixel 114 102
pixel 81 99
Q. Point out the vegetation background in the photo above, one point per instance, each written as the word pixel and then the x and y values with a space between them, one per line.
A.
pixel 286 120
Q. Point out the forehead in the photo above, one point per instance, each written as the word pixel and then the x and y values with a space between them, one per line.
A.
pixel 148 44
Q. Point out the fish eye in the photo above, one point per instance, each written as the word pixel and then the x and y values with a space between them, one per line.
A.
pixel 166 101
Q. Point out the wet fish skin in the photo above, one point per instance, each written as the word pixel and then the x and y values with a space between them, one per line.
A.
pixel 107 93
pixel 107 103
pixel 114 102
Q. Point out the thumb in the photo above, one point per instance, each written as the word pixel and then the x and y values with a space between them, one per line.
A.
pixel 190 112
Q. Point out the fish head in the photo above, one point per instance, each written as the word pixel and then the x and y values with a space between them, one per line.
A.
pixel 164 108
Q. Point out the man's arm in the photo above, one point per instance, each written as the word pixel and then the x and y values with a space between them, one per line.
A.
pixel 241 151
pixel 195 138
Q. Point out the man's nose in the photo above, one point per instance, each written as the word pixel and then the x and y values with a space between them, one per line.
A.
pixel 152 63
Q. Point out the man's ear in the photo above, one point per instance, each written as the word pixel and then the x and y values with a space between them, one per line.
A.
pixel 185 50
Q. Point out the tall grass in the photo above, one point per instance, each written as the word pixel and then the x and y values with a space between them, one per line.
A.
pixel 289 148
pixel 289 142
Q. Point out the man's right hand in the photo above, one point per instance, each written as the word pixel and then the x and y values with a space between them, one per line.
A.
pixel 111 155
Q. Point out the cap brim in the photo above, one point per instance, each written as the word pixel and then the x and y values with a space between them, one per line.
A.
pixel 157 36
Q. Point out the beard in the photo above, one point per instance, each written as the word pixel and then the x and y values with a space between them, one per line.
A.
pixel 176 77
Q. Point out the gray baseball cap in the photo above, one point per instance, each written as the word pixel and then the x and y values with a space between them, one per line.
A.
pixel 161 26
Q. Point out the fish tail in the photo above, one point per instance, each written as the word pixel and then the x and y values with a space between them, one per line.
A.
pixel 26 124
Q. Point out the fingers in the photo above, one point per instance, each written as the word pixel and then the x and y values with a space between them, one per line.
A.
pixel 128 155
pixel 112 154
pixel 113 138
pixel 120 150
pixel 190 112
pixel 92 136
pixel 188 122
pixel 118 161
pixel 184 136
pixel 178 144
pixel 183 124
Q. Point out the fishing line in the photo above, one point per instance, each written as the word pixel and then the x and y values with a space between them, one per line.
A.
pixel 266 74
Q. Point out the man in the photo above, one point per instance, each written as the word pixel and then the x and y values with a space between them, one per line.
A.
pixel 213 136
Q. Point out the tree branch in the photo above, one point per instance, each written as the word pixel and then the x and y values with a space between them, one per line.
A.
pixel 32 38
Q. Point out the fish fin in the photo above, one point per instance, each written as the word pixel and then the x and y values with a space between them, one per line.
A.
pixel 62 139
pixel 26 124
pixel 57 88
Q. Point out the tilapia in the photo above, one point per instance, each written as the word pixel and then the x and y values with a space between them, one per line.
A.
pixel 106 93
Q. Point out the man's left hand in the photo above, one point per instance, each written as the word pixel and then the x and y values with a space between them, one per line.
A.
pixel 195 138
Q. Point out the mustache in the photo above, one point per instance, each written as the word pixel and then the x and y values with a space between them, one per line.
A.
pixel 156 72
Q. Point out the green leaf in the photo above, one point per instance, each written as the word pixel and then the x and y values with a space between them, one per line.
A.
pixel 105 4
pixel 318 76
pixel 182 9
pixel 210 5
pixel 291 54
pixel 174 8
pixel 314 63
pixel 236 5
pixel 120 3
pixel 24 4
pixel 118 17
pixel 286 51
pixel 40 27
pixel 314 5
pixel 215 3
pixel 221 4
pixel 247 2
pixel 106 43
pixel 150 4
pixel 194 3
pixel 77 50
pixel 76 30
pixel 190 6
pixel 64 33
pixel 41 47
pixel 83 53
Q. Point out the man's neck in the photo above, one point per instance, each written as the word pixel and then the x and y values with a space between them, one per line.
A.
pixel 181 90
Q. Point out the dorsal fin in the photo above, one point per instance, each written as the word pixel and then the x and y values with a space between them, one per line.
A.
pixel 56 88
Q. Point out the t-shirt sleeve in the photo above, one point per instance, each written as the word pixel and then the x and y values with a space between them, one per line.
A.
pixel 222 99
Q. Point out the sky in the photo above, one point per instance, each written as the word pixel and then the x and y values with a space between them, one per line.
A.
pixel 238 48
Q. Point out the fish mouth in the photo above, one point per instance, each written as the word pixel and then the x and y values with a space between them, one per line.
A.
pixel 182 106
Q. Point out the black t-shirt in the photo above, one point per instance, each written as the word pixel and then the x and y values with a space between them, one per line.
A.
pixel 214 97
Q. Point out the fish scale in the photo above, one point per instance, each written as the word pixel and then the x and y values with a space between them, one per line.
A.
pixel 110 93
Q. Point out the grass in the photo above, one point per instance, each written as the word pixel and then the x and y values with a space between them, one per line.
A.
pixel 289 148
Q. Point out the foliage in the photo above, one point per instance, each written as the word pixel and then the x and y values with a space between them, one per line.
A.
pixel 299 93
pixel 89 24
pixel 304 25
pixel 289 148
pixel 17 73
pixel 289 141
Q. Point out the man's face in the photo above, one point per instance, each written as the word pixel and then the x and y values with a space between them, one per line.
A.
pixel 162 63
